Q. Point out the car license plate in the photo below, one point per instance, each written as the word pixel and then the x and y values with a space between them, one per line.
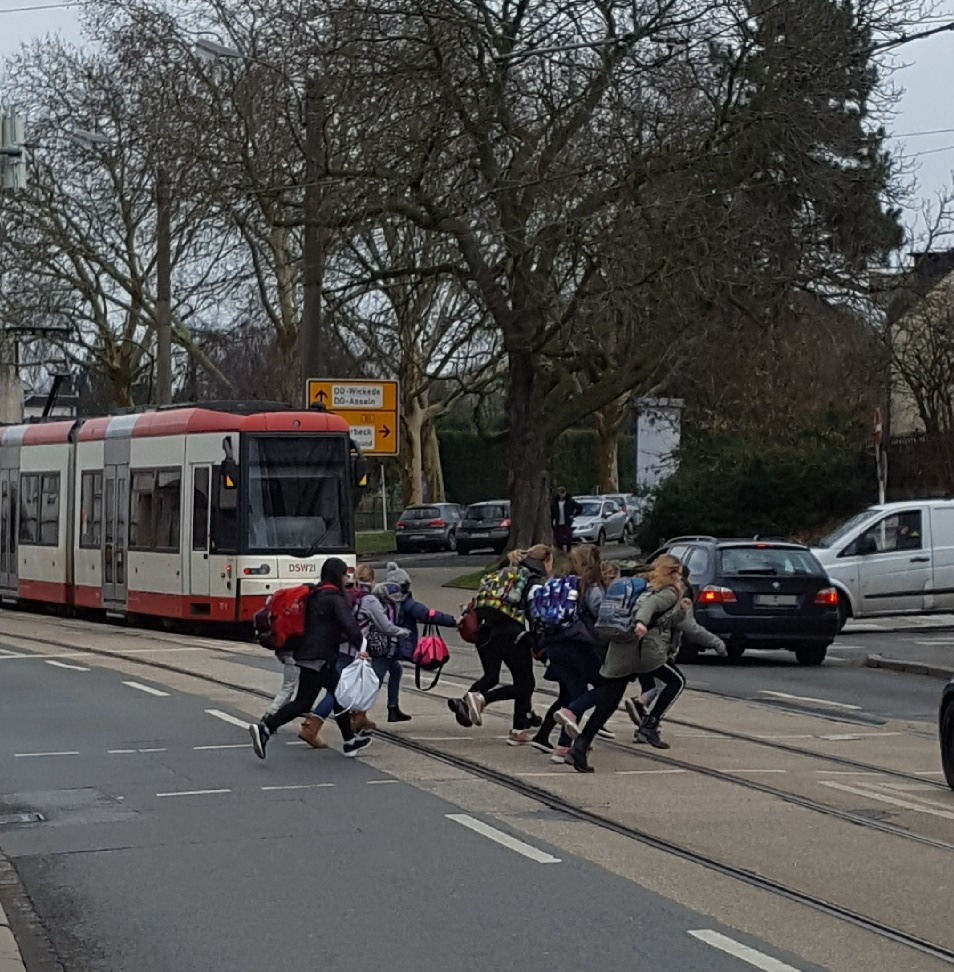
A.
pixel 418 536
pixel 776 600
pixel 481 533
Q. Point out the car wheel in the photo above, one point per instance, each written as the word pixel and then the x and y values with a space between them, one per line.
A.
pixel 734 650
pixel 947 744
pixel 811 654
pixel 601 538
pixel 463 551
pixel 499 549
pixel 452 541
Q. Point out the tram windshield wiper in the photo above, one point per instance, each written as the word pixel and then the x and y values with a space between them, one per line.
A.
pixel 316 546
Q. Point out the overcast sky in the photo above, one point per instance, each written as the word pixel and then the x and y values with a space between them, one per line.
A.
pixel 927 77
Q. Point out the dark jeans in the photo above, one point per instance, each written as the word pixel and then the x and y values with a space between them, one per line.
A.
pixel 563 537
pixel 497 645
pixel 310 683
pixel 393 669
pixel 606 698
pixel 573 667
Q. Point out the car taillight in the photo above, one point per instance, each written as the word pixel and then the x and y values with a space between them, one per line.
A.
pixel 401 525
pixel 505 524
pixel 435 523
pixel 827 597
pixel 716 595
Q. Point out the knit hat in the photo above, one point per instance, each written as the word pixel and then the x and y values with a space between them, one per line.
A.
pixel 401 578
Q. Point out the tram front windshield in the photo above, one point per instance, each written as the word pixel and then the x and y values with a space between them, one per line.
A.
pixel 298 494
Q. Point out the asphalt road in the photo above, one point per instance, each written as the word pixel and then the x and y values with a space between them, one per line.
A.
pixel 166 845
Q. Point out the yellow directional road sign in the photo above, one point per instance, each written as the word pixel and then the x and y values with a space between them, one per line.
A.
pixel 369 407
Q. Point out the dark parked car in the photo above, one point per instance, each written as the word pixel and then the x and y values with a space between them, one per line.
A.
pixel 945 723
pixel 430 527
pixel 484 525
pixel 760 594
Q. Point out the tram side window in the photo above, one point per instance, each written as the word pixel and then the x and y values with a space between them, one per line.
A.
pixel 40 509
pixel 224 533
pixel 155 507
pixel 91 497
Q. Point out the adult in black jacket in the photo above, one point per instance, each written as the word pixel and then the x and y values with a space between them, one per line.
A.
pixel 328 623
pixel 562 510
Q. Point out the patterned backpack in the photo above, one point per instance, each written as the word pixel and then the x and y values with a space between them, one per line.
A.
pixel 554 605
pixel 503 591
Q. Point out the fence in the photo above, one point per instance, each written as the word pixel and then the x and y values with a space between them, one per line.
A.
pixel 920 466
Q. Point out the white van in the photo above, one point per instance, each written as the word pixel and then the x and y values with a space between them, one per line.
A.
pixel 893 559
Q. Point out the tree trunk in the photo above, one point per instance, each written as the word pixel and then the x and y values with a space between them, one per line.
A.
pixel 412 453
pixel 431 460
pixel 529 479
pixel 608 423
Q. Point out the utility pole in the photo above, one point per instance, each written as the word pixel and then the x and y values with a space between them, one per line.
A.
pixel 313 257
pixel 163 287
pixel 13 177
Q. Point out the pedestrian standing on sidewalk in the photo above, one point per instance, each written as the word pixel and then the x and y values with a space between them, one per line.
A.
pixel 328 622
pixel 562 510
pixel 503 639
pixel 574 655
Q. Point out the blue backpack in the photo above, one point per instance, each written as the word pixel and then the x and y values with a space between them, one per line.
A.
pixel 555 604
pixel 616 619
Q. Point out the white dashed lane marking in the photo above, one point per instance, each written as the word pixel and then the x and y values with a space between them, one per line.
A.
pixel 505 840
pixel 179 793
pixel 225 717
pixel 893 801
pixel 72 668
pixel 148 689
pixel 70 752
pixel 243 745
pixel 807 698
pixel 751 956
pixel 297 786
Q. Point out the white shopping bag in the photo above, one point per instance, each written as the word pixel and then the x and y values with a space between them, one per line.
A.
pixel 358 686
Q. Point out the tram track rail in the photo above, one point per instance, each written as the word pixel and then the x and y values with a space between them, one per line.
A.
pixel 554 802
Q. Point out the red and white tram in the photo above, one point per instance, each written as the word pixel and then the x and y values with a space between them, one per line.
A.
pixel 194 513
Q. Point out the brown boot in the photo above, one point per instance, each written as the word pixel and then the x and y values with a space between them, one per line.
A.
pixel 360 720
pixel 310 732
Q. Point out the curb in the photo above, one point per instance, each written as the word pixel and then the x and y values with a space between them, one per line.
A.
pixel 864 627
pixel 30 944
pixel 911 668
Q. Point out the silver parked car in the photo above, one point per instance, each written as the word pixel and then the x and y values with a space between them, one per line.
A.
pixel 599 520
pixel 630 505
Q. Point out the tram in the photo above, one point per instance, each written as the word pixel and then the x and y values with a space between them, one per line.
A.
pixel 185 513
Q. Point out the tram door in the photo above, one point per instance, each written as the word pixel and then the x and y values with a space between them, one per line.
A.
pixel 115 532
pixel 8 528
pixel 200 577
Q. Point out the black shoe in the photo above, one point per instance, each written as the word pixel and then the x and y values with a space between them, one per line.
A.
pixel 542 743
pixel 576 757
pixel 354 746
pixel 649 733
pixel 396 715
pixel 259 733
pixel 533 721
pixel 461 712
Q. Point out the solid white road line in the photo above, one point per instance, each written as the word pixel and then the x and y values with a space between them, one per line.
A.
pixel 847 773
pixel 891 800
pixel 807 698
pixel 191 793
pixel 758 960
pixel 505 840
pixel 148 689
pixel 6 651
pixel 659 772
pixel 730 770
pixel 849 736
pixel 226 746
pixel 230 719
pixel 66 753
pixel 72 668
pixel 297 786
pixel 795 735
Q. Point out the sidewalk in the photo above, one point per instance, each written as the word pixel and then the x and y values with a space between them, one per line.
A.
pixel 10 959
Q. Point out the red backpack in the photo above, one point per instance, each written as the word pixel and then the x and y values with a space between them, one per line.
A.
pixel 283 616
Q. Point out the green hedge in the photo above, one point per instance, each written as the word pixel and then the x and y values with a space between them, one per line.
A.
pixel 475 468
pixel 738 488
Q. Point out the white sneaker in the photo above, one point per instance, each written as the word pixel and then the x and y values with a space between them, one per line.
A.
pixel 605 734
pixel 520 737
pixel 567 720
pixel 475 706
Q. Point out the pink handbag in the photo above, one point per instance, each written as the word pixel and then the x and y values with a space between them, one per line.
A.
pixel 430 655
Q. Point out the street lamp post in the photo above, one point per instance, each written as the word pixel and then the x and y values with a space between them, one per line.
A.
pixel 163 394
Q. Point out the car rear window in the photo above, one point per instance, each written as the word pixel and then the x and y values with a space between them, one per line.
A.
pixel 492 512
pixel 767 560
pixel 421 513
